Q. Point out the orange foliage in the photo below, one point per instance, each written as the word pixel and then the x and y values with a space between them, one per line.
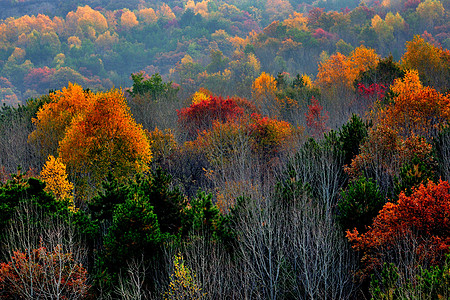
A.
pixel 385 150
pixel 433 63
pixel 53 118
pixel 416 109
pixel 103 139
pixel 336 75
pixel 424 217
pixel 85 22
pixel 128 20
pixel 92 133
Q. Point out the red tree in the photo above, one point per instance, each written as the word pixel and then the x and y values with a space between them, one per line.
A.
pixel 421 221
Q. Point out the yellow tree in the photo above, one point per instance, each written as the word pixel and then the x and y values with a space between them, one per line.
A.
pixel 148 15
pixel 296 20
pixel 264 89
pixel 430 12
pixel 165 12
pixel 55 177
pixel 85 22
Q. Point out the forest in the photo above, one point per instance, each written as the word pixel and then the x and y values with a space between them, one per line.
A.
pixel 277 149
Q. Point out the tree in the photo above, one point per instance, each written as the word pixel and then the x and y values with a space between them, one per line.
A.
pixel 43 273
pixel 416 109
pixel 422 218
pixel 93 134
pixel 264 90
pixel 128 20
pixel 55 177
pixel 104 138
pixel 359 204
pixel 200 116
pixel 315 121
pixel 432 62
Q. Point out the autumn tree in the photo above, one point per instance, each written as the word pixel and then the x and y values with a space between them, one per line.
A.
pixel 420 219
pixel 432 62
pixel 93 134
pixel 53 119
pixel 200 116
pixel 416 109
pixel 264 90
pixel 316 122
pixel 55 177
pixel 128 20
pixel 86 22
pixel 335 77
pixel 105 138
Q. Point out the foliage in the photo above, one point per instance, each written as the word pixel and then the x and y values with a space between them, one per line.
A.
pixel 27 190
pixel 352 135
pixel 55 177
pixel 315 121
pixel 134 233
pixel 432 62
pixel 429 283
pixel 413 174
pixel 200 116
pixel 359 204
pixel 93 134
pixel 384 73
pixel 153 87
pixel 201 214
pixel 416 109
pixel 422 216
pixel 183 283
pixel 43 271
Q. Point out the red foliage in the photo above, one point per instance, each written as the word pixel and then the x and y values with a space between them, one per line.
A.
pixel 38 78
pixel 421 220
pixel 321 34
pixel 41 273
pixel 200 116
pixel 315 121
pixel 374 90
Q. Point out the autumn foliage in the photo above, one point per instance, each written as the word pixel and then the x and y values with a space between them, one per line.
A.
pixel 93 134
pixel 41 273
pixel 315 119
pixel 200 116
pixel 423 217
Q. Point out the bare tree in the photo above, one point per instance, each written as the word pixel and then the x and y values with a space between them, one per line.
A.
pixel 47 258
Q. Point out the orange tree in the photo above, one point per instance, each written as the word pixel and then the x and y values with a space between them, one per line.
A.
pixel 335 76
pixel 420 221
pixel 432 63
pixel 416 108
pixel 94 134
